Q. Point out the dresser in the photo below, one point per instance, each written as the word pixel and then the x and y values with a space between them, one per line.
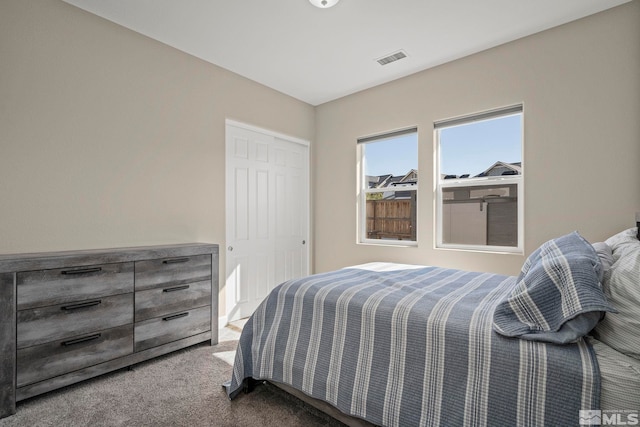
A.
pixel 69 316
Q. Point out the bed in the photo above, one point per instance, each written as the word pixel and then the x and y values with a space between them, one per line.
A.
pixel 403 345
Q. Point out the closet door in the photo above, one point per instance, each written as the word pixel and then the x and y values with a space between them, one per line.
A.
pixel 267 198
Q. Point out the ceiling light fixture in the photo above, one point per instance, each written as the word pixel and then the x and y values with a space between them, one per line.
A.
pixel 324 4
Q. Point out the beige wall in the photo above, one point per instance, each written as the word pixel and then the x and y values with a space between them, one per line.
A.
pixel 108 138
pixel 580 85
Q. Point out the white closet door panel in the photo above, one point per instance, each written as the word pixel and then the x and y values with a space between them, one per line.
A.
pixel 267 216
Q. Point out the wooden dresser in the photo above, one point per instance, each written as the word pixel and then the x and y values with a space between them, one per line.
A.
pixel 69 316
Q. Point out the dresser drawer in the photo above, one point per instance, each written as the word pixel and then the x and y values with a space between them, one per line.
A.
pixel 171 299
pixel 44 324
pixel 161 330
pixel 49 287
pixel 157 273
pixel 59 357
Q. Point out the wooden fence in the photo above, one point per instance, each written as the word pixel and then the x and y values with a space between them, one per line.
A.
pixel 392 219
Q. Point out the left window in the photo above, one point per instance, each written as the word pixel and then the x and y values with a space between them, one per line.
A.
pixel 388 187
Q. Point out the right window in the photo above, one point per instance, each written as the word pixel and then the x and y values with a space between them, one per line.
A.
pixel 480 181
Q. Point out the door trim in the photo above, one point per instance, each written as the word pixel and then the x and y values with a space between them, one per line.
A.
pixel 229 122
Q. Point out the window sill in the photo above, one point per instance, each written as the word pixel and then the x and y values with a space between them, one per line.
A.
pixel 389 243
pixel 497 250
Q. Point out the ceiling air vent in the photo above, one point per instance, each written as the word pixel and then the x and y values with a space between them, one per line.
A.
pixel 392 58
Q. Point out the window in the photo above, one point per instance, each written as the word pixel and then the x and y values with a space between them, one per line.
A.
pixel 388 187
pixel 480 181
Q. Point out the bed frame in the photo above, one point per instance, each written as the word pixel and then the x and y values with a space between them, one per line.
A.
pixel 324 407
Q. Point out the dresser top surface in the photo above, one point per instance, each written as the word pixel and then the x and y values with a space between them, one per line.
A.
pixel 44 260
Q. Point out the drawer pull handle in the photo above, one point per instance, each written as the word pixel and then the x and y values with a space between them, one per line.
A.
pixel 82 270
pixel 175 260
pixel 177 288
pixel 175 316
pixel 81 305
pixel 79 340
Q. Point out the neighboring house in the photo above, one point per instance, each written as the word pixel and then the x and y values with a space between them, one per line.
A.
pixel 497 169
pixel 501 168
pixel 410 179
pixel 378 181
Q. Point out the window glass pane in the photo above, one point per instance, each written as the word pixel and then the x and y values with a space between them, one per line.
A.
pixel 480 167
pixel 390 184
pixel 477 148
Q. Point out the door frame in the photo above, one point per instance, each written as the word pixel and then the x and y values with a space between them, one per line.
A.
pixel 307 221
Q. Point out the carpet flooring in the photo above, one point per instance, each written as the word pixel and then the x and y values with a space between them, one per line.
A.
pixel 183 388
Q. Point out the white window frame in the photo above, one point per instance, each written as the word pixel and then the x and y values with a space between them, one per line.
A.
pixel 441 183
pixel 363 190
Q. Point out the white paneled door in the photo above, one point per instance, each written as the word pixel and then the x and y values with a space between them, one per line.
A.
pixel 267 211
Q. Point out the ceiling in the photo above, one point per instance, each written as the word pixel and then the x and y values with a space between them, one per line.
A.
pixel 317 55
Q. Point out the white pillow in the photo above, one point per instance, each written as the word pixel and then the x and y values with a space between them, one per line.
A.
pixel 621 285
pixel 606 257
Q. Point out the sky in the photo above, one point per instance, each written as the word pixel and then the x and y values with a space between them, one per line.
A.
pixel 470 148
pixel 474 147
pixel 395 156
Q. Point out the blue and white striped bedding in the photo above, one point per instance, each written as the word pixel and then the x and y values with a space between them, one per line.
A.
pixel 413 346
pixel 557 296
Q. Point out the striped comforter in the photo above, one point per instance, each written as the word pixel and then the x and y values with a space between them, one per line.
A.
pixel 413 346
